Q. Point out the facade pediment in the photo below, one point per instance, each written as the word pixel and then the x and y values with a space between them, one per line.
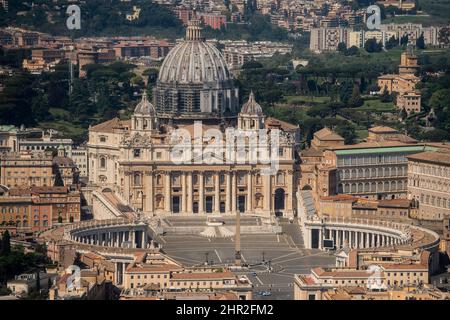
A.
pixel 208 158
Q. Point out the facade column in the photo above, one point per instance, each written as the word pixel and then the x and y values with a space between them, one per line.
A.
pixel 183 192
pixel 233 192
pixel 249 191
pixel 150 193
pixel 217 192
pixel 189 193
pixel 228 193
pixel 320 238
pixel 143 239
pixel 267 193
pixel 201 190
pixel 290 185
pixel 133 238
pixel 308 238
pixel 127 190
pixel 167 198
pixel 338 239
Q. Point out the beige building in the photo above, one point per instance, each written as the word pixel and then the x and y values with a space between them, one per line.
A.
pixel 327 39
pixel 375 278
pixel 404 293
pixel 404 83
pixel 134 159
pixel 158 274
pixel 8 139
pixel 192 152
pixel 429 184
pixel 26 169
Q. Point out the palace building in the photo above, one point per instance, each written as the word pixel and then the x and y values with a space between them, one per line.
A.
pixel 191 151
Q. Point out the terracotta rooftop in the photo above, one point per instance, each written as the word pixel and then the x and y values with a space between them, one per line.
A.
pixel 327 134
pixel 311 152
pixel 373 144
pixel 394 203
pixel 272 122
pixel 341 273
pixel 382 129
pixel 110 125
pixel 340 197
pixel 203 275
pixel 433 157
pixel 53 189
pixel 404 267
pixel 150 268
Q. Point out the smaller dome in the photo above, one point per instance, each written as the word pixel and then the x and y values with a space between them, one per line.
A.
pixel 144 107
pixel 251 106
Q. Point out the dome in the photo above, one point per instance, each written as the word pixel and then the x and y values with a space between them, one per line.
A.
pixel 194 62
pixel 144 107
pixel 251 107
pixel 194 79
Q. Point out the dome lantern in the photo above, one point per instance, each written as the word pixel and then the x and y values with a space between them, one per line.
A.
pixel 144 116
pixel 251 116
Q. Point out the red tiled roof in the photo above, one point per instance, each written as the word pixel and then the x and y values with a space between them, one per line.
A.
pixel 203 275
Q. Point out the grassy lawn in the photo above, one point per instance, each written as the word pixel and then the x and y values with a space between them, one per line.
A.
pixel 59 113
pixel 362 134
pixel 377 106
pixel 423 19
pixel 68 129
pixel 305 99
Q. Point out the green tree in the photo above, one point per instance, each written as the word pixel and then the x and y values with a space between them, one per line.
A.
pixel 391 43
pixel 342 47
pixel 404 40
pixel 347 131
pixel 355 100
pixel 420 42
pixel 385 96
pixel 372 45
pixel 6 244
pixel 353 50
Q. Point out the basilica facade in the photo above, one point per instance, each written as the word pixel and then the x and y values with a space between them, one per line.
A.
pixel 209 156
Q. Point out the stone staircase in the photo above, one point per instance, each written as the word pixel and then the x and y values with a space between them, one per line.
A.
pixel 217 232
